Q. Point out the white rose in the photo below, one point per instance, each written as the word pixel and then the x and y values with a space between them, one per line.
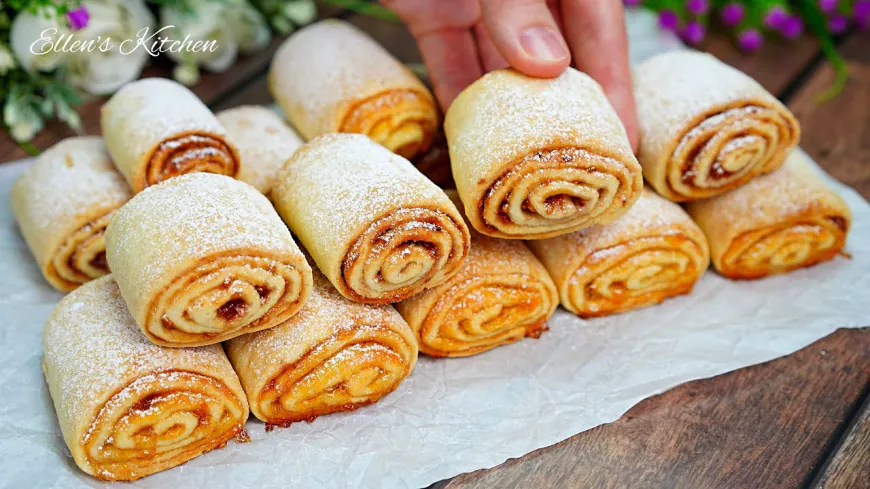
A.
pixel 24 39
pixel 248 26
pixel 104 71
pixel 7 60
pixel 206 23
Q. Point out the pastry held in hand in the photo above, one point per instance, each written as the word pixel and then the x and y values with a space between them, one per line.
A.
pixel 263 140
pixel 376 227
pixel 63 204
pixel 201 258
pixel 501 294
pixel 652 253
pixel 331 77
pixel 128 408
pixel 774 224
pixel 335 355
pixel 535 158
pixel 156 129
pixel 705 127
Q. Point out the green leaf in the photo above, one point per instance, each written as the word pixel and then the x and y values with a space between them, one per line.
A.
pixel 366 8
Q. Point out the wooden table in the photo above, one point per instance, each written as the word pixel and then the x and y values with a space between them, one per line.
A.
pixel 799 421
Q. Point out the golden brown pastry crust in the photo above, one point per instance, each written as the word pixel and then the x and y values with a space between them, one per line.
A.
pixel 706 128
pixel 652 253
pixel 201 258
pixel 63 204
pixel 535 158
pixel 777 223
pixel 128 408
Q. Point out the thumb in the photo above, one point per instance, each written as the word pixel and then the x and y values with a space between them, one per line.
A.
pixel 527 36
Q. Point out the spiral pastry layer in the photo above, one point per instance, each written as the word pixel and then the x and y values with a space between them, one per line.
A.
pixel 331 77
pixel 501 294
pixel 652 253
pixel 535 158
pixel 777 223
pixel 156 129
pixel 128 408
pixel 335 355
pixel 376 227
pixel 203 258
pixel 707 128
pixel 63 204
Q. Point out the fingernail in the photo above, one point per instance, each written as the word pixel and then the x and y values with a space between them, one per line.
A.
pixel 543 43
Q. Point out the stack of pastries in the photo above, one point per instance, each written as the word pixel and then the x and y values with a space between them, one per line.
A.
pixel 218 264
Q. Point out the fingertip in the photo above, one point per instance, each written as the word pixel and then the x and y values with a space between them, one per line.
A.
pixel 544 52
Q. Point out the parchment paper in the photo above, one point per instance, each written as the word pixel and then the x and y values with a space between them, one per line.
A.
pixel 455 415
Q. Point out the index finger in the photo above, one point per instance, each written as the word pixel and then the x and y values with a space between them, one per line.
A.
pixel 595 30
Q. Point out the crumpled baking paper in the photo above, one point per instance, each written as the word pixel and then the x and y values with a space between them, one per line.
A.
pixel 450 415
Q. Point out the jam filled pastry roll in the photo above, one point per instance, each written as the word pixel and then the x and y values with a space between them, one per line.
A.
pixel 705 127
pixel 534 158
pixel 501 294
pixel 331 77
pixel 263 140
pixel 63 204
pixel 156 129
pixel 128 408
pixel 335 355
pixel 376 227
pixel 774 224
pixel 201 258
pixel 652 253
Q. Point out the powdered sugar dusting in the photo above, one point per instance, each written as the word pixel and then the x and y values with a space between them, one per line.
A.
pixel 505 115
pixel 263 140
pixel 320 71
pixel 69 185
pixel 93 348
pixel 186 218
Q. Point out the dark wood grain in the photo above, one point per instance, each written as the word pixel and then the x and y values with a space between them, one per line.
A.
pixel 837 133
pixel 849 467
pixel 758 427
pixel 775 66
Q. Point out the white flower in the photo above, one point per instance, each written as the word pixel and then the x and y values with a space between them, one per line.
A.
pixel 7 60
pixel 101 70
pixel 23 121
pixel 301 12
pixel 186 73
pixel 248 26
pixel 207 23
pixel 24 39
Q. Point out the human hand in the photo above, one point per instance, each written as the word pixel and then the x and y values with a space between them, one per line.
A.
pixel 460 40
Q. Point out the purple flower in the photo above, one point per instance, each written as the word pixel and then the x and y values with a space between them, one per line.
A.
pixel 750 40
pixel 632 3
pixel 828 6
pixel 669 20
pixel 792 28
pixel 78 18
pixel 862 23
pixel 838 23
pixel 775 17
pixel 693 33
pixel 861 10
pixel 732 14
pixel 697 7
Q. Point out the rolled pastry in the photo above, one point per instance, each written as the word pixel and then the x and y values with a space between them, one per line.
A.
pixel 376 227
pixel 774 224
pixel 705 127
pixel 156 129
pixel 651 253
pixel 63 204
pixel 501 294
pixel 331 77
pixel 535 158
pixel 335 355
pixel 128 408
pixel 201 258
pixel 263 140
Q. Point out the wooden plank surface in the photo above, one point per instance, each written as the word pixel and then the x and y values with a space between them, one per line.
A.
pixel 837 133
pixel 849 467
pixel 759 427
